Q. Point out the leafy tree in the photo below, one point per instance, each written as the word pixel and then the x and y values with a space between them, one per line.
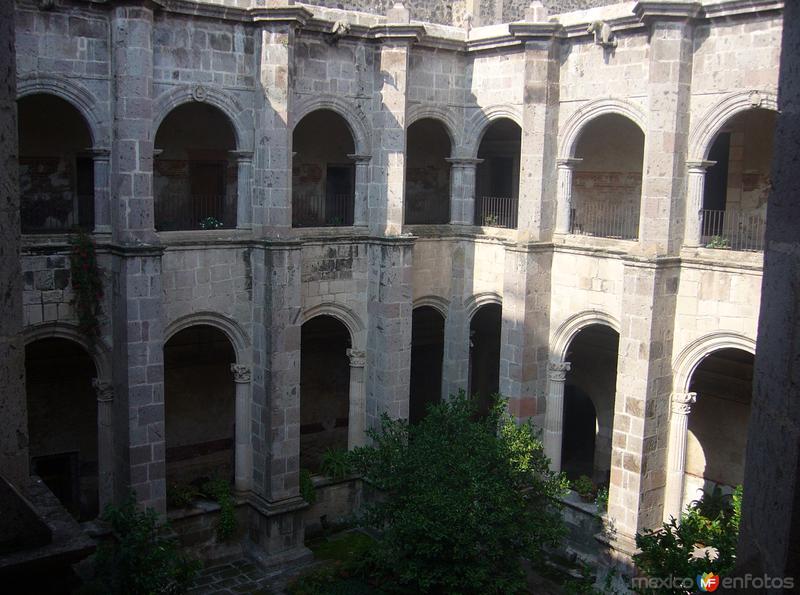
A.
pixel 140 559
pixel 703 541
pixel 464 498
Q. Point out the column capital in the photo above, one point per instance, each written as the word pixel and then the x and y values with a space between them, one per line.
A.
pixel 104 390
pixel 358 359
pixel 241 373
pixel 682 402
pixel 99 153
pixel 557 371
pixel 359 158
pixel 568 162
pixel 242 156
pixel 699 167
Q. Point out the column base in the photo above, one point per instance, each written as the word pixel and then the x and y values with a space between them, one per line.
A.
pixel 276 534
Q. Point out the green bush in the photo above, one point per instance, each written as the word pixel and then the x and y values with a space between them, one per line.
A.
pixel 584 486
pixel 219 490
pixel 672 551
pixel 307 489
pixel 464 499
pixel 181 495
pixel 336 463
pixel 139 559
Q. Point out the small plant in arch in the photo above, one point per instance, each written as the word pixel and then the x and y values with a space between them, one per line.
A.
pixel 210 223
pixel 87 283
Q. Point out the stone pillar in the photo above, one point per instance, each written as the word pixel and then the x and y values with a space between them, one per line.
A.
pixel 525 328
pixel 102 202
pixel 667 129
pixel 272 162
pixel 769 534
pixel 462 190
pixel 564 209
pixel 244 204
pixel 387 185
pixel 455 364
pixel 356 421
pixel 242 446
pixel 554 416
pixel 361 197
pixel 537 196
pixel 676 465
pixel 105 441
pixel 13 403
pixel 389 328
pixel 693 235
pixel 136 264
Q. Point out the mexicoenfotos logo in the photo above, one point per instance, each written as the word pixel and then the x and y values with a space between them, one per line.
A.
pixel 708 581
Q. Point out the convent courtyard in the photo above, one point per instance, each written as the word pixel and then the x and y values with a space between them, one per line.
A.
pixel 248 228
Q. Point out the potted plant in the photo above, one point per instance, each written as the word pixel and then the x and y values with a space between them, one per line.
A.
pixel 585 488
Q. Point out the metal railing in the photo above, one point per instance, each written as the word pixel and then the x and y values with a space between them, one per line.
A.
pixel 733 230
pixel 322 211
pixel 183 212
pixel 56 212
pixel 605 220
pixel 496 211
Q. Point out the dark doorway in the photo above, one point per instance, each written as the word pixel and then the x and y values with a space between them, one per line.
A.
pixel 484 330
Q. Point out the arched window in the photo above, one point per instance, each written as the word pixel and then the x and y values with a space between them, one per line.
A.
pixel 427 353
pixel 427 196
pixel 194 172
pixel 484 362
pixel 497 176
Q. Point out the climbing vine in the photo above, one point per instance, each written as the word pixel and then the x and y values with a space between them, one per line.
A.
pixel 87 283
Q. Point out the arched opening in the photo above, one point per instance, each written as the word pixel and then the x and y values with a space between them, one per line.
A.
pixel 427 353
pixel 737 185
pixel 62 422
pixel 194 172
pixel 199 406
pixel 324 389
pixel 323 172
pixel 56 168
pixel 484 332
pixel 717 434
pixel 607 181
pixel 589 394
pixel 497 176
pixel 427 198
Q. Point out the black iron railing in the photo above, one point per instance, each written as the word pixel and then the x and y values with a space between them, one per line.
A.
pixel 184 212
pixel 734 230
pixel 56 212
pixel 496 211
pixel 605 220
pixel 322 211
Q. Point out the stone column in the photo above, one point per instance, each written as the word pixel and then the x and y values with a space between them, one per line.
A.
pixel 564 208
pixel 102 202
pixel 361 196
pixel 676 465
pixel 244 204
pixel 136 263
pixel 242 447
pixel 356 421
pixel 693 234
pixel 455 364
pixel 13 402
pixel 537 196
pixel 105 441
pixel 554 415
pixel 462 190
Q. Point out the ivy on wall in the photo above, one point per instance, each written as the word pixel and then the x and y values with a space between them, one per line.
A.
pixel 87 283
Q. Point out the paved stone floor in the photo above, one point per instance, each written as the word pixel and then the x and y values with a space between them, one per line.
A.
pixel 241 576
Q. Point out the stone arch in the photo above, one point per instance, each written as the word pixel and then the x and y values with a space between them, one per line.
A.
pixel 687 361
pixel 98 350
pixel 568 329
pixel 226 103
pixel 707 127
pixel 436 302
pixel 575 124
pixel 442 115
pixel 76 95
pixel 353 115
pixel 344 315
pixel 478 123
pixel 472 304
pixel 230 328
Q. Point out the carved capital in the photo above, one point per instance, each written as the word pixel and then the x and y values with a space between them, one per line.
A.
pixel 699 167
pixel 241 373
pixel 358 359
pixel 557 371
pixel 682 402
pixel 104 390
pixel 568 162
